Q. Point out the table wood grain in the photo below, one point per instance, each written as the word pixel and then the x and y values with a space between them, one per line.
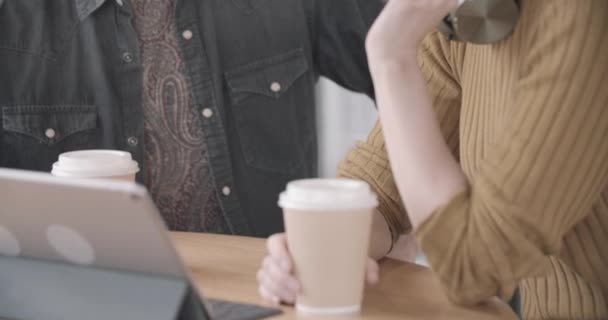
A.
pixel 224 267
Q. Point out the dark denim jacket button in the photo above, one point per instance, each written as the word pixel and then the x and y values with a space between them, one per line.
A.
pixel 207 113
pixel 187 34
pixel 50 133
pixel 226 191
pixel 275 87
pixel 132 141
pixel 127 57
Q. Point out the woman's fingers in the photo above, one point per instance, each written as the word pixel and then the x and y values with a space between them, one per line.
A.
pixel 372 272
pixel 277 248
pixel 275 277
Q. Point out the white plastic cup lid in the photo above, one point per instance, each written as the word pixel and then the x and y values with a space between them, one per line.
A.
pixel 319 194
pixel 95 163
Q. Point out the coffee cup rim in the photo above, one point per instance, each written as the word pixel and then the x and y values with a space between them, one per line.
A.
pixel 81 164
pixel 320 194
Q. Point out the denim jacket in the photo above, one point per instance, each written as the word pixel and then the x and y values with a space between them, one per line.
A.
pixel 71 78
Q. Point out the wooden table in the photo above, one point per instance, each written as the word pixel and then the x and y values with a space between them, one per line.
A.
pixel 224 267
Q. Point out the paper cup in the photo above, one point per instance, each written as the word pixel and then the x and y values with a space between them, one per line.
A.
pixel 328 226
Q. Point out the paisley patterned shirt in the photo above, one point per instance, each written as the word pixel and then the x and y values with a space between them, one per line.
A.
pixel 178 173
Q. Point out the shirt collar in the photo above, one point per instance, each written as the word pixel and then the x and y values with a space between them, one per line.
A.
pixel 84 8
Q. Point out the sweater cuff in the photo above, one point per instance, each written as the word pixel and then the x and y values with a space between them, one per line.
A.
pixel 478 253
pixel 442 239
pixel 442 221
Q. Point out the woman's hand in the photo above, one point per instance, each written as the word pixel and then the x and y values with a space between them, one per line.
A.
pixel 402 25
pixel 405 249
pixel 276 279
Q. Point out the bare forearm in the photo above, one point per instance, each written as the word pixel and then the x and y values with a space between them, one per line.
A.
pixel 426 173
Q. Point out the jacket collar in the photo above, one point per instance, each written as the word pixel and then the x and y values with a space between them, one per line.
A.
pixel 84 8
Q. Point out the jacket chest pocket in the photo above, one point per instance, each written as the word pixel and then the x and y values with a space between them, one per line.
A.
pixel 37 28
pixel 273 108
pixel 33 136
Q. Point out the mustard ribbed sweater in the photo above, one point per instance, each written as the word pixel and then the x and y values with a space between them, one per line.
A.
pixel 528 119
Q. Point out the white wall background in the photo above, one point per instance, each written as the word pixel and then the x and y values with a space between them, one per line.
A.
pixel 343 117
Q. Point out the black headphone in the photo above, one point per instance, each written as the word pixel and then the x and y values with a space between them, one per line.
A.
pixel 481 21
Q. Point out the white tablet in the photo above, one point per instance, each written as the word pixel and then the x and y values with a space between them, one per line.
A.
pixel 100 223
pixel 52 226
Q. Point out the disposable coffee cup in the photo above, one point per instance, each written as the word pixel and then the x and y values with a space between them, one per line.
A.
pixel 96 164
pixel 328 226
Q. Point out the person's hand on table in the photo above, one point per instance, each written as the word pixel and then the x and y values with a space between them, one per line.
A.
pixel 276 279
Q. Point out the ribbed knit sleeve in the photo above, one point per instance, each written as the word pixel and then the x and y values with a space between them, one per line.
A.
pixel 368 161
pixel 543 171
